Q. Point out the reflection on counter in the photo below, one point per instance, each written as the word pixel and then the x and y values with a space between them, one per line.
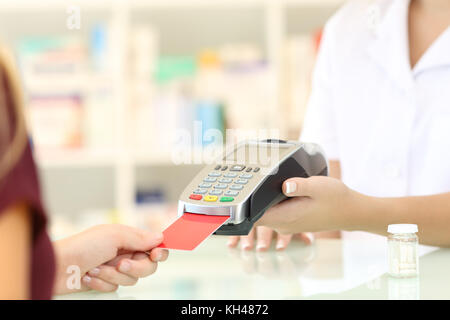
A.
pixel 403 288
pixel 432 283
pixel 328 269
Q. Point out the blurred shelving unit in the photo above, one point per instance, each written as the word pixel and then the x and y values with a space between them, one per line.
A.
pixel 265 23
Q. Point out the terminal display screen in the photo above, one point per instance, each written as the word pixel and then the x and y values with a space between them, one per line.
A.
pixel 258 154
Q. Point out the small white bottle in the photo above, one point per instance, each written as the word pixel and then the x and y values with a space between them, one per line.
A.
pixel 403 255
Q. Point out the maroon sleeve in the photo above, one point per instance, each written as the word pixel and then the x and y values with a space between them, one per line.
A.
pixel 21 185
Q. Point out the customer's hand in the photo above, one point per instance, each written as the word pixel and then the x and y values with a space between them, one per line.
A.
pixel 315 204
pixel 263 237
pixel 107 256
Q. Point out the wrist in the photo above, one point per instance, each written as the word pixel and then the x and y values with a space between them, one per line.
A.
pixel 68 273
pixel 61 267
pixel 357 211
pixel 367 213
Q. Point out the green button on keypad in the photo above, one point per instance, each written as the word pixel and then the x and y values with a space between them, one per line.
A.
pixel 226 199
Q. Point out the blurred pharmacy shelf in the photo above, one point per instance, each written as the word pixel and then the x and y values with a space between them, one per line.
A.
pixel 95 104
pixel 75 158
pixel 87 158
pixel 104 4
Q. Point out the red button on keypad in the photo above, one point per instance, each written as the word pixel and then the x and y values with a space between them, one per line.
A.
pixel 195 197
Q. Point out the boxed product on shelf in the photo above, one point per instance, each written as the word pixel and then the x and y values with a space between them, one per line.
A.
pixel 55 121
pixel 249 95
pixel 204 95
pixel 299 58
pixel 48 62
pixel 152 210
pixel 69 89
pixel 236 76
pixel 210 117
pixel 51 69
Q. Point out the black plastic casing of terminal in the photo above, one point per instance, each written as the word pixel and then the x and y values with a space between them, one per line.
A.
pixel 269 193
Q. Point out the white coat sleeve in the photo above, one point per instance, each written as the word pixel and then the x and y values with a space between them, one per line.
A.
pixel 320 122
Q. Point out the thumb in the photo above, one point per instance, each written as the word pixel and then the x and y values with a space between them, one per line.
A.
pixel 298 187
pixel 135 239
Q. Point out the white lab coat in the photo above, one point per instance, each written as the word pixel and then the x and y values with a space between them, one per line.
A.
pixel 387 124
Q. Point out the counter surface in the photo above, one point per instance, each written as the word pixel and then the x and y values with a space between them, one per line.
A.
pixel 328 269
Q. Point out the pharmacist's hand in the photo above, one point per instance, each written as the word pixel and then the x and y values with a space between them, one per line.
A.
pixel 263 237
pixel 105 257
pixel 315 204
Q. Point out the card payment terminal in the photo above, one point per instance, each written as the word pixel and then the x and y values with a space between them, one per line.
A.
pixel 247 181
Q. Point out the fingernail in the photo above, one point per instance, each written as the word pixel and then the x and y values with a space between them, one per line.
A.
pixel 261 247
pixel 94 271
pixel 280 245
pixel 87 279
pixel 290 187
pixel 245 246
pixel 229 243
pixel 159 256
pixel 310 236
pixel 125 266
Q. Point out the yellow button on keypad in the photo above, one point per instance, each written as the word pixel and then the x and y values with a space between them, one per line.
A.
pixel 210 198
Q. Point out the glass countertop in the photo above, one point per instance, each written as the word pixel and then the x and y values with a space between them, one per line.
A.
pixel 328 269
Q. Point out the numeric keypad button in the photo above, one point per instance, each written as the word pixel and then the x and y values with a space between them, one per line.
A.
pixel 220 186
pixel 205 185
pixel 231 193
pixel 230 175
pixel 214 174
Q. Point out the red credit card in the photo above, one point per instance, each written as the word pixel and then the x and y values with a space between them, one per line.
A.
pixel 188 231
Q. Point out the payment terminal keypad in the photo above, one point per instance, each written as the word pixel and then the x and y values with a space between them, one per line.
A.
pixel 224 180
